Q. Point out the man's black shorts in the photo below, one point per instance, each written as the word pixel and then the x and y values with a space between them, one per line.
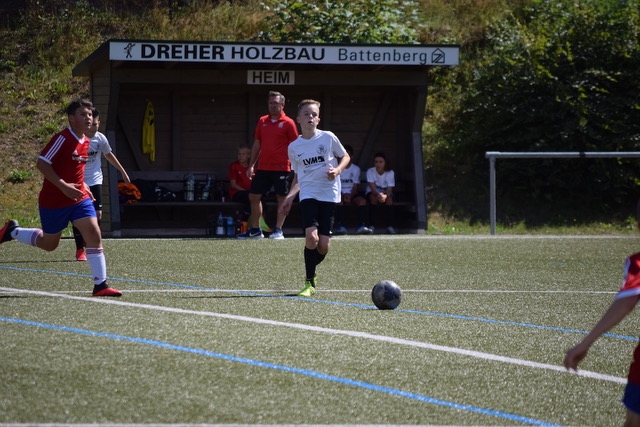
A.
pixel 263 181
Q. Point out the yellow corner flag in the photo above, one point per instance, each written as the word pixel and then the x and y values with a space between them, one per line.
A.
pixel 149 132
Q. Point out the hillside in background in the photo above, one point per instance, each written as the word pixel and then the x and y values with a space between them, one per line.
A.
pixel 534 76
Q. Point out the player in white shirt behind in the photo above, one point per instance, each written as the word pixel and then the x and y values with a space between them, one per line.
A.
pixel 98 146
pixel 381 180
pixel 351 194
pixel 314 160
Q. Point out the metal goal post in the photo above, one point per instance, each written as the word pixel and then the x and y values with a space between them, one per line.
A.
pixel 493 155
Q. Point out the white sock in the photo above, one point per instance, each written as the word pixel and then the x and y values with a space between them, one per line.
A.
pixel 28 236
pixel 97 264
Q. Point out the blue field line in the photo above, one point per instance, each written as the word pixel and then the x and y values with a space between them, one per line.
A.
pixel 306 372
pixel 364 306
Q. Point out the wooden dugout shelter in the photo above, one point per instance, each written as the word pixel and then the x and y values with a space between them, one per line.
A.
pixel 207 97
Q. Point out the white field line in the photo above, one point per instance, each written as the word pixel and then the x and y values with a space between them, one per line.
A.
pixel 355 334
pixel 408 237
pixel 340 291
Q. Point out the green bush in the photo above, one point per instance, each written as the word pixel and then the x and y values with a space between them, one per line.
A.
pixel 18 176
pixel 341 21
pixel 564 77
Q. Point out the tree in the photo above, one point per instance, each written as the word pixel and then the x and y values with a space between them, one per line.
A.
pixel 566 77
pixel 341 21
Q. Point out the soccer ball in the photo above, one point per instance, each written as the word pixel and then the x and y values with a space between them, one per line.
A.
pixel 386 295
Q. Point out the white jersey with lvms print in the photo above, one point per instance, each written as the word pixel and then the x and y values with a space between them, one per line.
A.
pixel 311 159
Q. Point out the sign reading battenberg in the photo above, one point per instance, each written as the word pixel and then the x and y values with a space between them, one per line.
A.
pixel 283 53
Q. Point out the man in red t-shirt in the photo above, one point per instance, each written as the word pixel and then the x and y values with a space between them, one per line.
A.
pixel 66 198
pixel 269 164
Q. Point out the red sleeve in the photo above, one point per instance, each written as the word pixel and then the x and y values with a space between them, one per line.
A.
pixel 631 283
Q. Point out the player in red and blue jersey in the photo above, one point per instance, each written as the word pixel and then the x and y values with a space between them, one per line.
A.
pixel 66 198
pixel 624 302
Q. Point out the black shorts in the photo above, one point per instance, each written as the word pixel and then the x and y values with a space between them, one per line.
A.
pixel 96 191
pixel 263 181
pixel 318 214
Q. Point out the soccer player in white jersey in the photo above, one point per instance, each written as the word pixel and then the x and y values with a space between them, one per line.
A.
pixel 314 160
pixel 98 146
pixel 381 181
pixel 351 194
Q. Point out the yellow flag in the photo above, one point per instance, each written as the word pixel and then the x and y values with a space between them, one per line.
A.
pixel 149 132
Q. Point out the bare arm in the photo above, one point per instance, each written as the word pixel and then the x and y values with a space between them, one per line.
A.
pixel 111 158
pixel 334 172
pixel 255 153
pixel 288 201
pixel 617 311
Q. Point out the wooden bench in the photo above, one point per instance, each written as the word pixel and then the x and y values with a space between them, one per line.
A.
pixel 176 212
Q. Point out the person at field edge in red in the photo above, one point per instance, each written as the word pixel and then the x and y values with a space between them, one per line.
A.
pixel 239 181
pixel 269 164
pixel 65 197
pixel 623 303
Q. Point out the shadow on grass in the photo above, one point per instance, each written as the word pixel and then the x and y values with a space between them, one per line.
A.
pixel 39 261
pixel 244 296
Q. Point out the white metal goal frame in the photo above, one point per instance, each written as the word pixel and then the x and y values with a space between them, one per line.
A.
pixel 493 155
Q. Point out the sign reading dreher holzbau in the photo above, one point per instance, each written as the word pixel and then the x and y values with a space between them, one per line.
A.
pixel 283 53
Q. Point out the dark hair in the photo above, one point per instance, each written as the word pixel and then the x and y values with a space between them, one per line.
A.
pixel 96 113
pixel 387 166
pixel 78 103
pixel 348 149
pixel 274 93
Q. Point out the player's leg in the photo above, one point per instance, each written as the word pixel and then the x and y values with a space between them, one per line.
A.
pixel 363 214
pixel 389 214
pixel 77 237
pixel 84 218
pixel 255 199
pixel 54 221
pixel 632 419
pixel 326 218
pixel 339 217
pixel 280 217
pixel 309 209
pixel 96 192
pixel 29 236
pixel 281 183
pixel 254 231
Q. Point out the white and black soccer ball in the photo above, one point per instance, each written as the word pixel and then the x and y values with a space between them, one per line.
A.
pixel 386 295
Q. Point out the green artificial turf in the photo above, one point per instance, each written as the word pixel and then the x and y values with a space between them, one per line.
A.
pixel 208 331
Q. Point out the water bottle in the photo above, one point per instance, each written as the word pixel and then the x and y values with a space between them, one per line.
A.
pixel 206 189
pixel 220 225
pixel 189 187
pixel 230 227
